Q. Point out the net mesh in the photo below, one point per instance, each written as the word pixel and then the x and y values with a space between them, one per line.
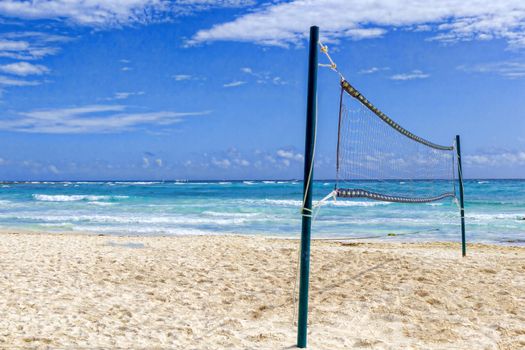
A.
pixel 378 159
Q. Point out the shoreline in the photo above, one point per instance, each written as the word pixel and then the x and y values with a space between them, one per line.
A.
pixel 214 292
pixel 376 240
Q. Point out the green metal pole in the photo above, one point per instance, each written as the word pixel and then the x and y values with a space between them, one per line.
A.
pixel 461 202
pixel 311 118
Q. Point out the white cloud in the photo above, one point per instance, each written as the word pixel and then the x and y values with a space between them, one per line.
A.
pixel 285 23
pixel 415 74
pixel 181 77
pixel 90 119
pixel 234 160
pixel 373 70
pixel 365 33
pixel 270 159
pixel 422 28
pixel 496 159
pixel 41 37
pixel 125 95
pixel 24 69
pixel 507 69
pixel 50 114
pixel 31 53
pixel 10 45
pixel 17 82
pixel 264 77
pixel 149 159
pixel 125 69
pixel 288 156
pixel 241 162
pixel 53 169
pixel 234 84
pixel 26 45
pixel 186 77
pixel 284 158
pixel 104 13
pixel 221 163
pixel 212 3
pixel 369 70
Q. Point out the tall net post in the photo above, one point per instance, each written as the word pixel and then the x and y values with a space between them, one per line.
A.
pixel 311 119
pixel 461 203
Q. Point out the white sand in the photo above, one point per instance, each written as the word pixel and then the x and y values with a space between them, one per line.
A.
pixel 71 291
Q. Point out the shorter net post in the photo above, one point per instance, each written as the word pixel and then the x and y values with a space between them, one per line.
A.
pixel 461 202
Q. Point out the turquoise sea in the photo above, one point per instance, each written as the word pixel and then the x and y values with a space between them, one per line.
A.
pixel 495 210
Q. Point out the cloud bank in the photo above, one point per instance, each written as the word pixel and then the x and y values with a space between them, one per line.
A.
pixel 286 23
pixel 91 119
pixel 104 13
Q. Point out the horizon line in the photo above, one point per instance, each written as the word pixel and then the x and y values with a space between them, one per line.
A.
pixel 249 179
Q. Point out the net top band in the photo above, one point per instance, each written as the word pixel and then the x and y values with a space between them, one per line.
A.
pixel 361 193
pixel 346 86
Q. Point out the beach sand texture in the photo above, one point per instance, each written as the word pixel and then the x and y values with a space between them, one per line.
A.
pixel 218 292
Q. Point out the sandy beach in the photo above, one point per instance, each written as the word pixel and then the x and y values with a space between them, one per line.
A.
pixel 218 292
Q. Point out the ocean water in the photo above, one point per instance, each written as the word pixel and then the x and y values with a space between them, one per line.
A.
pixel 495 210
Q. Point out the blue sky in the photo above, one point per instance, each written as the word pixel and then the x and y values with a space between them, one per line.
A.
pixel 215 89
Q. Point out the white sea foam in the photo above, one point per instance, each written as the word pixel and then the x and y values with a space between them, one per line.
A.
pixel 73 197
pixel 5 203
pixel 225 183
pixel 139 231
pixel 128 219
pixel 141 183
pixel 269 182
pixel 490 217
pixel 67 198
pixel 248 182
pixel 56 224
pixel 483 182
pixel 283 202
pixel 224 214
